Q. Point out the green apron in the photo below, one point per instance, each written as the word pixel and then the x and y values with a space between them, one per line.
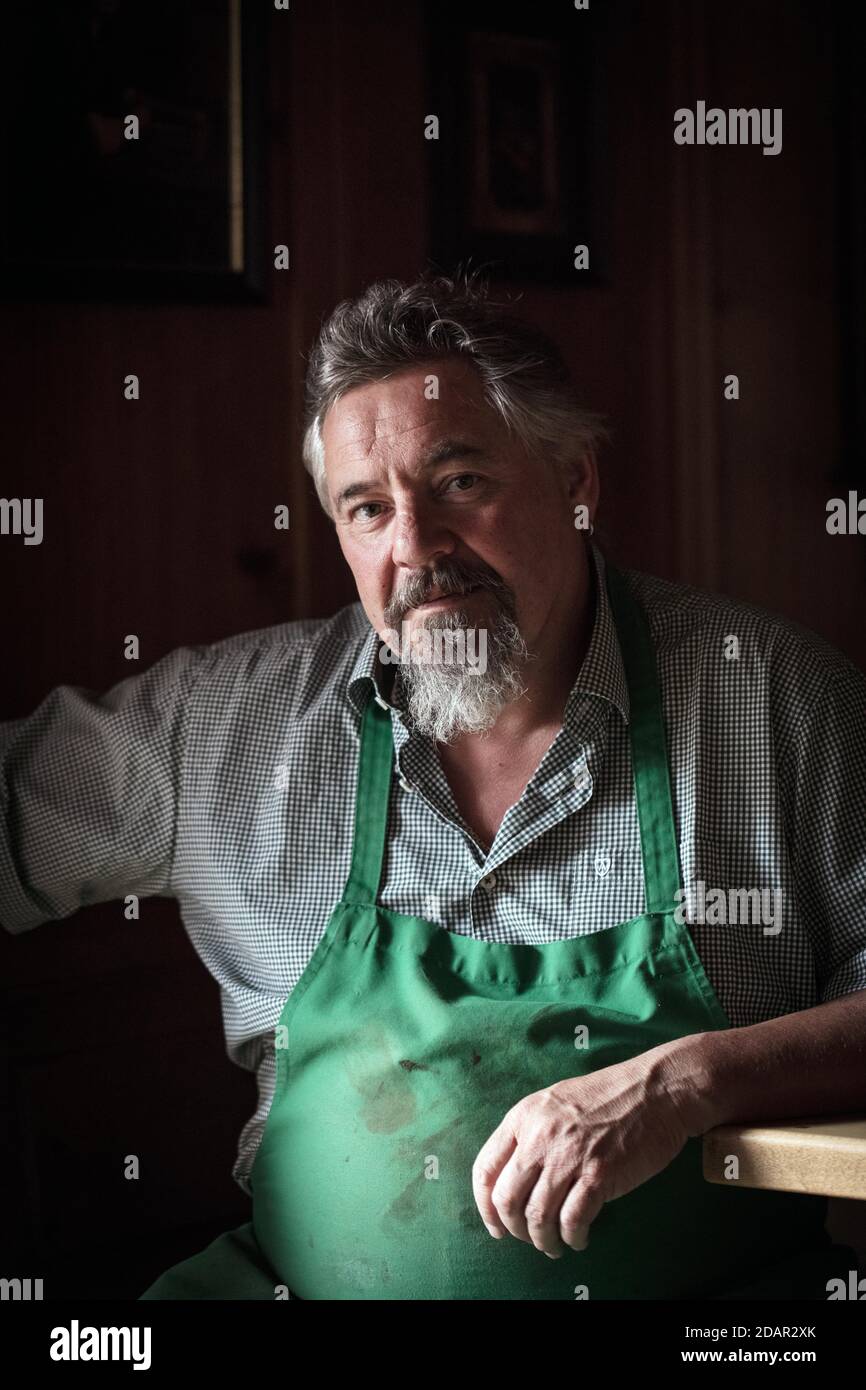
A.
pixel 406 1045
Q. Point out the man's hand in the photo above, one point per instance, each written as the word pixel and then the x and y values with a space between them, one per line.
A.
pixel 561 1153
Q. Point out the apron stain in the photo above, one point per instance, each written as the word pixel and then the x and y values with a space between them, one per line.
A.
pixel 405 1207
pixel 388 1109
pixel 389 1100
pixel 470 1218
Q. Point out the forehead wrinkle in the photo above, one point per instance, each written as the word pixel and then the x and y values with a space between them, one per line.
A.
pixel 367 432
pixel 380 446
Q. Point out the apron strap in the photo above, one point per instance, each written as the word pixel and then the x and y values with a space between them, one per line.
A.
pixel 371 804
pixel 649 760
pixel 648 750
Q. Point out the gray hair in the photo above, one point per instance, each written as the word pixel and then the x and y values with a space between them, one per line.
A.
pixel 393 325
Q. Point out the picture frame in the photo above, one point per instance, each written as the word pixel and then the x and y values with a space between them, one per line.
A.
pixel 517 176
pixel 169 206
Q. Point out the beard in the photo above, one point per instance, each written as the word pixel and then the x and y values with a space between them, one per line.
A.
pixel 446 698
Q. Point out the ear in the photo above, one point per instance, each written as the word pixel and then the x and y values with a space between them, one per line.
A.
pixel 582 481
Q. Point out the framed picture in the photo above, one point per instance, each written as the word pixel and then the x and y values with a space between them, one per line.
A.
pixel 516 183
pixel 517 175
pixel 132 150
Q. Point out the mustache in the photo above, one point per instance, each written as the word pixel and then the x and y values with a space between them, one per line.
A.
pixel 451 578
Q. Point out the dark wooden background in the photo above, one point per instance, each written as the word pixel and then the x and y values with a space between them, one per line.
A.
pixel 159 514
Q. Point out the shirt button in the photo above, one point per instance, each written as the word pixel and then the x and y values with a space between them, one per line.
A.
pixel 407 786
pixel 383 704
pixel 582 781
pixel 489 883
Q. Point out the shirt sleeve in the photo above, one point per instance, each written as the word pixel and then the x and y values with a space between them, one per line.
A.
pixel 829 841
pixel 89 790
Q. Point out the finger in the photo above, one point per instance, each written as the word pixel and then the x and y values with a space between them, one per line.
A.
pixel 542 1211
pixel 490 1161
pixel 579 1210
pixel 511 1193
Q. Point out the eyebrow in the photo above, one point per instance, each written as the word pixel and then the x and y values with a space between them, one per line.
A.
pixel 442 452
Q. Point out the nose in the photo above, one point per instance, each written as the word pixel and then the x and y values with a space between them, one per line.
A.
pixel 420 537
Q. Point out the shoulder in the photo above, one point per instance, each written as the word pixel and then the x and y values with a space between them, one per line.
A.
pixel 703 636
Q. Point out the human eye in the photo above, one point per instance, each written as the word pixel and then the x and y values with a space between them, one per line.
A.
pixel 361 513
pixel 463 478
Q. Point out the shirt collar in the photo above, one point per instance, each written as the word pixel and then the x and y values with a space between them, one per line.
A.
pixel 602 674
pixel 367 670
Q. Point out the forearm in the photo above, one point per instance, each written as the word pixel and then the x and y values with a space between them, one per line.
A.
pixel 807 1063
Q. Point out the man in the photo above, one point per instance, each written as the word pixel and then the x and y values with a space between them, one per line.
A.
pixel 455 894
